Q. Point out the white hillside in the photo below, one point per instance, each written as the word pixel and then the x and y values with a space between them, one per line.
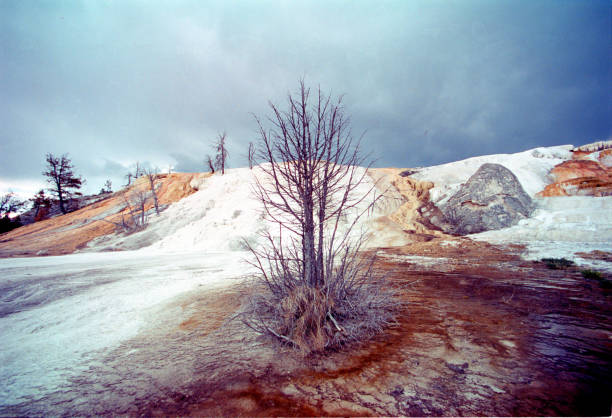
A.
pixel 223 212
pixel 220 215
pixel 531 167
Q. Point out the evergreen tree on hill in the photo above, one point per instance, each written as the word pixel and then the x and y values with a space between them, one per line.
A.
pixel 65 184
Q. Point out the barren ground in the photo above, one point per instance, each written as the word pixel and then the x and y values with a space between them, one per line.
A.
pixel 484 333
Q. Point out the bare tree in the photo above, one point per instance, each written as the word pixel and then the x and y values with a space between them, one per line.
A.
pixel 139 170
pixel 152 177
pixel 322 293
pixel 134 213
pixel 65 184
pixel 251 155
pixel 210 163
pixel 140 199
pixel 107 188
pixel 222 154
pixel 129 176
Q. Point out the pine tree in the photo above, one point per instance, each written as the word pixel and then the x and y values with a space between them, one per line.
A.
pixel 64 183
pixel 41 204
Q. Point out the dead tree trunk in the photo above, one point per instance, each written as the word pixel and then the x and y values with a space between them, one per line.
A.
pixel 211 165
pixel 251 155
pixel 151 177
pixel 222 154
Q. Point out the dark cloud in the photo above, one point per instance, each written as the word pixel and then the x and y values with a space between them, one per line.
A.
pixel 429 81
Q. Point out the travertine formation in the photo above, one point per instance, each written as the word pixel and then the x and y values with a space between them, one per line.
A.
pixel 407 207
pixel 588 173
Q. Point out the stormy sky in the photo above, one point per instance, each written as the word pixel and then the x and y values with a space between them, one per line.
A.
pixel 115 82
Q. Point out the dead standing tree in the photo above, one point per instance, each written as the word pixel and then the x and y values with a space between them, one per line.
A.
pixel 134 215
pixel 222 154
pixel 152 177
pixel 322 293
pixel 251 155
pixel 129 176
pixel 211 165
pixel 138 170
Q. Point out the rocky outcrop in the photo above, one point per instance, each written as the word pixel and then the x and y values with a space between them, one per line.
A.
pixel 415 196
pixel 594 146
pixel 492 198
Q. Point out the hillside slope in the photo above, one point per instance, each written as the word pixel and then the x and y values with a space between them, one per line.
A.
pixel 217 213
pixel 223 213
pixel 68 233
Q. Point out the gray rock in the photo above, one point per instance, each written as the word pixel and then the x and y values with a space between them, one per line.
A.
pixel 408 172
pixel 492 198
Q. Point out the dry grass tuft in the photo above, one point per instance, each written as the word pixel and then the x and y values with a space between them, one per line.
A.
pixel 313 320
pixel 304 311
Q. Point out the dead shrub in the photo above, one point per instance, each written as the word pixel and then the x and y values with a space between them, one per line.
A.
pixel 352 307
pixel 319 290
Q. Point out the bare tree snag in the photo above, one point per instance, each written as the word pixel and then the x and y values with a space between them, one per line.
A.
pixel 152 177
pixel 251 155
pixel 222 154
pixel 139 170
pixel 210 163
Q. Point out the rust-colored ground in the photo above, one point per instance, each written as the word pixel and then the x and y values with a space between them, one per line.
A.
pixel 67 233
pixel 483 333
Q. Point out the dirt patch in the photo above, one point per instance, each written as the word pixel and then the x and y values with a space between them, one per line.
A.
pixel 208 311
pixel 483 333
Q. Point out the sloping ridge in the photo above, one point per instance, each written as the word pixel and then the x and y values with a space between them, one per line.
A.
pixel 217 218
pixel 223 213
pixel 70 232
